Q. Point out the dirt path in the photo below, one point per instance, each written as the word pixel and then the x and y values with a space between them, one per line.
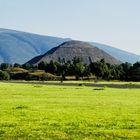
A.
pixel 125 86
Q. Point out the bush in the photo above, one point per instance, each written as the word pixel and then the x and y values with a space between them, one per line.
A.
pixel 18 75
pixel 4 75
pixel 41 75
pixel 4 66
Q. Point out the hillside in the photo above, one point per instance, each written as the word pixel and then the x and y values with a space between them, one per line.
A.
pixel 121 55
pixel 70 49
pixel 19 47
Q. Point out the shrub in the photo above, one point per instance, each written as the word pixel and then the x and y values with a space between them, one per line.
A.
pixel 4 75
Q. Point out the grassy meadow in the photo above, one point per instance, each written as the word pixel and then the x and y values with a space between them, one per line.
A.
pixel 41 112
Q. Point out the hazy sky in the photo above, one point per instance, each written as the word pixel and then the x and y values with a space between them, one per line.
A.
pixel 113 22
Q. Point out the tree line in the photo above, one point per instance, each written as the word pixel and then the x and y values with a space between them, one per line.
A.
pixel 76 68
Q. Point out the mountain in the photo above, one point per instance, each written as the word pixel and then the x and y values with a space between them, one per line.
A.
pixel 70 49
pixel 19 47
pixel 121 55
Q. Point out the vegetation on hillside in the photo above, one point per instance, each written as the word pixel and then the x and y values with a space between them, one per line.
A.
pixel 76 67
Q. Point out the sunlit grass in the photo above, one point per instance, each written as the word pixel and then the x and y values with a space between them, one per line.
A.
pixel 60 112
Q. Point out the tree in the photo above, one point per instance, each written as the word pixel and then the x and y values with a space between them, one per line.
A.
pixel 17 65
pixel 134 72
pixel 51 67
pixel 126 70
pixel 78 67
pixel 4 75
pixel 100 69
pixel 5 66
pixel 27 66
pixel 42 65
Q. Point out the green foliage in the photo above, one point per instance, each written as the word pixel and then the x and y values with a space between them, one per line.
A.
pixel 17 65
pixel 4 66
pixel 134 73
pixel 42 65
pixel 28 66
pixel 101 69
pixel 77 68
pixel 4 75
pixel 41 75
pixel 51 67
pixel 18 73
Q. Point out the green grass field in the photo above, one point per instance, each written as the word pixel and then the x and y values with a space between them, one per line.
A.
pixel 40 112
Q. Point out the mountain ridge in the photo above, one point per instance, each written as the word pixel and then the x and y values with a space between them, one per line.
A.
pixel 20 46
pixel 122 55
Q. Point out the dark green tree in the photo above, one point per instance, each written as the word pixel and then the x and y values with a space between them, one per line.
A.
pixel 78 67
pixel 100 69
pixel 51 67
pixel 134 73
pixel 42 65
pixel 126 71
pixel 4 75
pixel 5 66
pixel 17 65
pixel 27 66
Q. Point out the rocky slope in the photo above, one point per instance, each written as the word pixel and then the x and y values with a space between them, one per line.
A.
pixel 70 49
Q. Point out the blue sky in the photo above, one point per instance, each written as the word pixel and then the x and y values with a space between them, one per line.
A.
pixel 113 22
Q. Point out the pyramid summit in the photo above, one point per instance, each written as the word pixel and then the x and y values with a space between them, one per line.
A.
pixel 70 49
